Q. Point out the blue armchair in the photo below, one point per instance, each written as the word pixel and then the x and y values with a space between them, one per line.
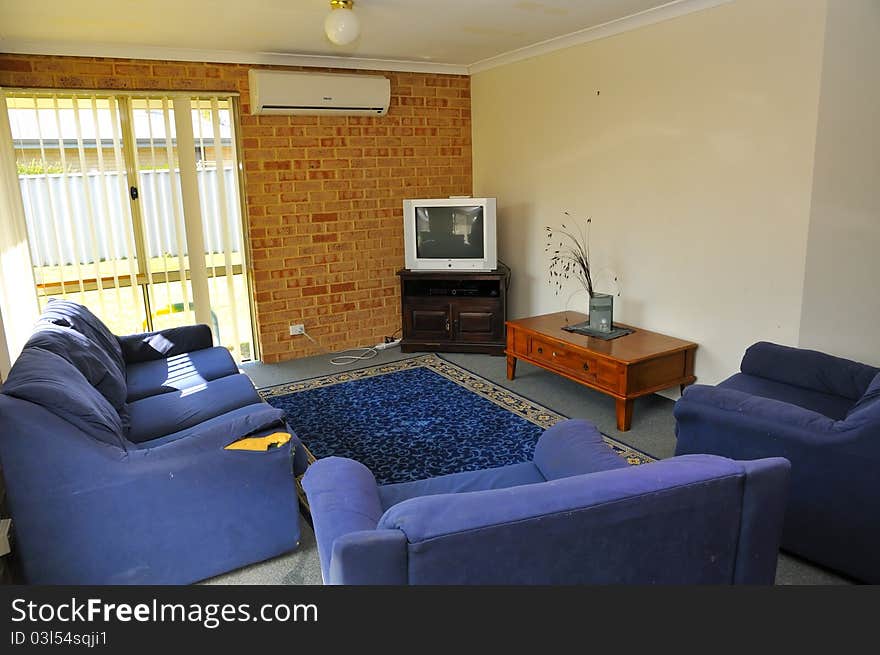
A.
pixel 823 414
pixel 115 460
pixel 576 514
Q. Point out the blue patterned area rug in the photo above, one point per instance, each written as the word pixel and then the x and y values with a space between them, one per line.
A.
pixel 417 418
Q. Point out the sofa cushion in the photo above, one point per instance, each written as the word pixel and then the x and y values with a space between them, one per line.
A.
pixel 160 344
pixel 51 381
pixel 171 412
pixel 73 315
pixel 502 477
pixel 89 359
pixel 835 407
pixel 178 372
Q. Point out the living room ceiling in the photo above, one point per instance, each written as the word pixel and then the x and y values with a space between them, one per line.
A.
pixel 457 33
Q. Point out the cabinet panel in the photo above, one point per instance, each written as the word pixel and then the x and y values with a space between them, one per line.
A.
pixel 610 376
pixel 647 374
pixel 477 321
pixel 428 323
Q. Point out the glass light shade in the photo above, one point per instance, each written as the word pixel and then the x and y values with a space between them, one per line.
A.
pixel 342 26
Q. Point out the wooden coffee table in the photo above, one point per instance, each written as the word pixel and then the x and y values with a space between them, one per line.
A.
pixel 625 368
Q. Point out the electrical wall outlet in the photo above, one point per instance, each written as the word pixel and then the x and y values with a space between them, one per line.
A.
pixel 297 329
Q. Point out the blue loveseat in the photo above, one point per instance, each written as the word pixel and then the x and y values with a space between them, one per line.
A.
pixel 113 451
pixel 576 514
pixel 823 414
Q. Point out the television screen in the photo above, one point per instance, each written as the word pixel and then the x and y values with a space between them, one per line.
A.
pixel 449 232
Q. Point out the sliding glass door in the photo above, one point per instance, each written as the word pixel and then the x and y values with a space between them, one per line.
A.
pixel 74 186
pixel 115 199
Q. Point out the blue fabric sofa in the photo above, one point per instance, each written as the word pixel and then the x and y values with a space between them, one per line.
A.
pixel 113 454
pixel 576 514
pixel 823 414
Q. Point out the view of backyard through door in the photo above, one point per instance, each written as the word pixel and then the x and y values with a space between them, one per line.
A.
pixel 101 179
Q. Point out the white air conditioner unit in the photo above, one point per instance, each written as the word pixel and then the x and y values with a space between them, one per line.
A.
pixel 282 92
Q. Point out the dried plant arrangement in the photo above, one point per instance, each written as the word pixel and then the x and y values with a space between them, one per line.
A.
pixel 569 250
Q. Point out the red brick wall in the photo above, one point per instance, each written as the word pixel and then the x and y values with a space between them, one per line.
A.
pixel 324 194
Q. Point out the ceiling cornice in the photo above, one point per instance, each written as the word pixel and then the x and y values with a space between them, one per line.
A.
pixel 118 51
pixel 664 12
pixel 625 24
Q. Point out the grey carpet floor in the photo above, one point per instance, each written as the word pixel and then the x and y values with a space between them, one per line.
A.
pixel 652 432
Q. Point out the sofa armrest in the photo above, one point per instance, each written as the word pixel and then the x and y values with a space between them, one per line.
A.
pixel 343 498
pixel 574 447
pixel 146 347
pixel 716 410
pixel 808 369
pixel 765 495
pixel 369 557
pixel 217 432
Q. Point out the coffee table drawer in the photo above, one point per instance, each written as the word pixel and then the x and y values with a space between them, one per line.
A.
pixel 557 356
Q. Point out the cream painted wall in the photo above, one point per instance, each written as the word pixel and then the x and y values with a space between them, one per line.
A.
pixel 690 143
pixel 841 309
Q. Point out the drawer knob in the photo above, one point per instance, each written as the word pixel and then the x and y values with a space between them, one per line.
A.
pixel 540 351
pixel 554 353
pixel 586 366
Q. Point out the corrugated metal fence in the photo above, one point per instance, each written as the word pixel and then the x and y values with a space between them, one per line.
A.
pixel 57 209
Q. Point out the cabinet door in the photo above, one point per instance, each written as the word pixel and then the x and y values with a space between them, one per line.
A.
pixel 476 321
pixel 427 322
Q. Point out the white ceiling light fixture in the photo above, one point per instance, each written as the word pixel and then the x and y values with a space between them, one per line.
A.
pixel 342 25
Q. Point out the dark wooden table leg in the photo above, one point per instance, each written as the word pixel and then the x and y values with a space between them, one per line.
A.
pixel 511 367
pixel 624 413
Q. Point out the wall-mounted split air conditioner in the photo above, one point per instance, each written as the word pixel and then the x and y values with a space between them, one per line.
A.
pixel 283 92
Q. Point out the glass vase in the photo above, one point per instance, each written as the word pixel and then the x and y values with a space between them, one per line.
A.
pixel 602 312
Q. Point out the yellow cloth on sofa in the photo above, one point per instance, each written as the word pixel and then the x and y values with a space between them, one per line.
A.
pixel 260 443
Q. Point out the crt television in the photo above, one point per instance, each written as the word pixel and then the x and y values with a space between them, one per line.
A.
pixel 443 234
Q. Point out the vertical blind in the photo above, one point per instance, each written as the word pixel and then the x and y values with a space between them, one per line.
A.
pixel 108 220
pixel 157 166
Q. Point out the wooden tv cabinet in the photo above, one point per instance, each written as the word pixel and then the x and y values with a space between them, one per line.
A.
pixel 625 368
pixel 454 311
